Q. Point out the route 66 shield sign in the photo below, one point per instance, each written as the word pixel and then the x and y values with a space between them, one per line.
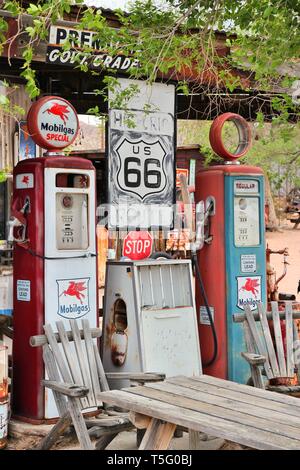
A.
pixel 141 157
pixel 141 167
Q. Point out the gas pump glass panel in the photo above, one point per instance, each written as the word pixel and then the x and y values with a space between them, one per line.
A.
pixel 246 221
pixel 72 180
pixel 246 213
pixel 72 221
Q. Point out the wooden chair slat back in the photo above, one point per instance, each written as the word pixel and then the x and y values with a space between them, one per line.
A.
pixel 290 363
pixel 82 360
pixel 279 363
pixel 91 358
pixel 53 374
pixel 278 339
pixel 258 340
pixel 71 359
pixel 76 358
pixel 268 340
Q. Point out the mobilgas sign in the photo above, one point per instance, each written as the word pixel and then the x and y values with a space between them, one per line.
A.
pixel 52 123
pixel 76 56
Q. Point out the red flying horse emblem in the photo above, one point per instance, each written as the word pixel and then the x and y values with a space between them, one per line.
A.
pixel 251 285
pixel 75 289
pixel 25 179
pixel 60 110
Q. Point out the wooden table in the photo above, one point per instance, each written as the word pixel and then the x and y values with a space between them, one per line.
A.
pixel 254 417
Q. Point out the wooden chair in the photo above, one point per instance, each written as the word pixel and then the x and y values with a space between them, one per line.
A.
pixel 76 377
pixel 268 350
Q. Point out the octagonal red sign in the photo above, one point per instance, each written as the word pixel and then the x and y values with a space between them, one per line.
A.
pixel 137 245
pixel 52 123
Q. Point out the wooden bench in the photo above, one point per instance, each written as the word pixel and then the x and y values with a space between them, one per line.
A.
pixel 247 415
pixel 268 351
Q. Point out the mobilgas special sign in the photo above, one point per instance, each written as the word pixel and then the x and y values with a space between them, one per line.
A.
pixel 75 56
pixel 52 122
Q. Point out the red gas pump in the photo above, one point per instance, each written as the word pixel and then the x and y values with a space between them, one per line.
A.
pixel 53 229
pixel 231 261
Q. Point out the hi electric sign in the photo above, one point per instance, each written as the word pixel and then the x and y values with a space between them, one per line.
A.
pixel 53 123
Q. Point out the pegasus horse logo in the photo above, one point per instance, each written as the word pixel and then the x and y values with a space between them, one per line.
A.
pixel 75 289
pixel 60 110
pixel 251 286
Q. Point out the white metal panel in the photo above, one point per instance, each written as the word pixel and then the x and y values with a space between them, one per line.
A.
pixel 55 271
pixel 170 338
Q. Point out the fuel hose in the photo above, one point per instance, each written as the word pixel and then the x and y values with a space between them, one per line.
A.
pixel 204 296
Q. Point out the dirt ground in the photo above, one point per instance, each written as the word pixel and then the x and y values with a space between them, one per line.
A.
pixel 286 237
pixel 290 238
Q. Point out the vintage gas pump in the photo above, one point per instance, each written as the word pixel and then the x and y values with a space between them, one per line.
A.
pixel 232 260
pixel 53 229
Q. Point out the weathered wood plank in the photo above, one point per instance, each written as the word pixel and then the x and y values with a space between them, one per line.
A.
pixel 79 424
pixel 68 389
pixel 195 439
pixel 278 339
pixel 223 407
pixel 158 435
pixel 240 317
pixel 251 348
pixel 138 420
pixel 240 398
pixel 260 346
pixel 254 359
pixel 60 360
pixel 103 442
pixel 246 390
pixel 40 340
pixel 290 365
pixel 215 426
pixel 138 376
pixel 91 357
pixel 98 431
pixel 101 373
pixel 72 360
pixel 53 374
pixel 268 339
pixel 59 428
pixel 81 355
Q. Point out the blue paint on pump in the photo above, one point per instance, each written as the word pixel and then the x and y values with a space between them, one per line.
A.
pixel 238 369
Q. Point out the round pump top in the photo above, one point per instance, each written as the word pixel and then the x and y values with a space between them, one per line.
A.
pixel 52 123
pixel 216 138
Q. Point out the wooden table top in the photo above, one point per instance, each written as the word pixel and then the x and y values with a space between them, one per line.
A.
pixel 250 416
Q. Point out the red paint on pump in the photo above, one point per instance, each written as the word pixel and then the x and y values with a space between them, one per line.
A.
pixel 211 261
pixel 28 369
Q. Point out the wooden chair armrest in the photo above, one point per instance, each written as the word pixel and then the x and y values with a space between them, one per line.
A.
pixel 137 376
pixel 254 359
pixel 71 390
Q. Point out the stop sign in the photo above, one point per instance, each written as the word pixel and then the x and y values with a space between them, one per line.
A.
pixel 137 245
